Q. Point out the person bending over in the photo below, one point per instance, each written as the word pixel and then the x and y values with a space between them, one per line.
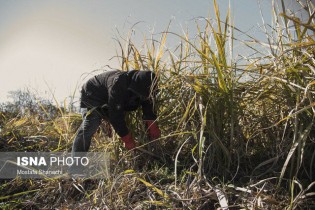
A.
pixel 109 96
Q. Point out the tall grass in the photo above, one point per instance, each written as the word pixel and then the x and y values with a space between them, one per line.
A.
pixel 229 125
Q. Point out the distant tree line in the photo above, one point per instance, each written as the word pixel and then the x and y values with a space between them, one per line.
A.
pixel 25 103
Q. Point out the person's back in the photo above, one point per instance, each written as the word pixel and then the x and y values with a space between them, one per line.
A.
pixel 95 91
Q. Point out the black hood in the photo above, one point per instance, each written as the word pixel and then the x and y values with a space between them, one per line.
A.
pixel 143 83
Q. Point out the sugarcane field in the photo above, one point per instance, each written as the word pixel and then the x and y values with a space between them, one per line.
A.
pixel 202 116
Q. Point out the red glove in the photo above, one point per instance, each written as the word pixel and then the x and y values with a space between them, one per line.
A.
pixel 129 142
pixel 153 128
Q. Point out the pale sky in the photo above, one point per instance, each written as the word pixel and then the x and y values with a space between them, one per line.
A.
pixel 51 43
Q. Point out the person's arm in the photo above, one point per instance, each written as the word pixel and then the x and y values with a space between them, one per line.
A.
pixel 148 110
pixel 116 112
pixel 149 118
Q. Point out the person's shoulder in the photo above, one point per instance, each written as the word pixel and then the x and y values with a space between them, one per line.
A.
pixel 116 79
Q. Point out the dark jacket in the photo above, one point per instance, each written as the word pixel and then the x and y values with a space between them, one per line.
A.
pixel 118 92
